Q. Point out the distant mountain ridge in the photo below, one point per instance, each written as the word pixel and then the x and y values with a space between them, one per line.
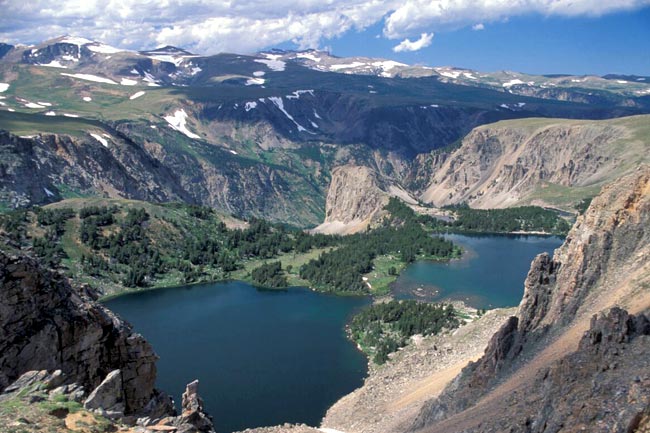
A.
pixel 252 134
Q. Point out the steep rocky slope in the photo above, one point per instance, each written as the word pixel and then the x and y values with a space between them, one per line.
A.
pixel 355 199
pixel 546 162
pixel 556 365
pixel 397 390
pixel 48 167
pixel 54 337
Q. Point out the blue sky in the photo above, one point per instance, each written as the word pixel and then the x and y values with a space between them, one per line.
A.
pixel 614 43
pixel 536 36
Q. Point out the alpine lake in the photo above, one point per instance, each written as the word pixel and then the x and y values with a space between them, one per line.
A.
pixel 266 357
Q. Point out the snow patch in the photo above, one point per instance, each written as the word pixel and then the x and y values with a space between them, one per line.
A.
pixel 255 81
pixel 46 104
pixel 150 79
pixel 259 73
pixel 11 109
pixel 104 49
pixel 346 66
pixel 89 77
pixel 50 113
pixel 53 64
pixel 69 58
pixel 71 115
pixel 250 105
pixel 280 104
pixel 128 82
pixel 273 62
pixel 101 139
pixel 33 105
pixel 153 127
pixel 74 40
pixel 387 65
pixel 469 75
pixel 87 98
pixel 297 93
pixel 48 192
pixel 167 58
pixel 308 56
pixel 178 121
pixel 512 82
pixel 621 81
pixel 448 73
pixel 233 152
pixel 317 115
pixel 313 124
pixel 136 95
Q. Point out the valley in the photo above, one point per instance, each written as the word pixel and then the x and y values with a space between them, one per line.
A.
pixel 256 216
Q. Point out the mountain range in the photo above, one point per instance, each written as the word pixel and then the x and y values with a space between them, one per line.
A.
pixel 262 135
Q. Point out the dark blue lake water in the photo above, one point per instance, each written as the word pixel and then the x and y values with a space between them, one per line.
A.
pixel 270 357
pixel 490 274
pixel 262 357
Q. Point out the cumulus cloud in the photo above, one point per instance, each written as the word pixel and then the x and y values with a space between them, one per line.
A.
pixel 479 26
pixel 407 45
pixel 245 26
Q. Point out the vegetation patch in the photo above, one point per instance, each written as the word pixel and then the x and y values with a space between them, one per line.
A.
pixel 383 328
pixel 509 220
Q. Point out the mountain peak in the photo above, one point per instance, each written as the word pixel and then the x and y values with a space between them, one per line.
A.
pixel 167 50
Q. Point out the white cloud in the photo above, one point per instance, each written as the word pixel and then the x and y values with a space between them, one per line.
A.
pixel 244 26
pixel 478 26
pixel 407 45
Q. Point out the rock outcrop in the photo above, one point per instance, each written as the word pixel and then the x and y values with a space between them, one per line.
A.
pixel 356 198
pixel 46 401
pixel 537 372
pixel 47 325
pixel 108 397
pixel 535 161
pixel 59 337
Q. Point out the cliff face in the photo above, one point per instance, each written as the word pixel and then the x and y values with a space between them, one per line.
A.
pixel 535 161
pixel 47 325
pixel 355 199
pixel 537 372
pixel 57 340
pixel 47 167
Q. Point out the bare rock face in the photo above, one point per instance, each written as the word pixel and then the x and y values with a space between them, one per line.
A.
pixel 108 397
pixel 508 163
pixel 192 417
pixel 355 199
pixel 45 324
pixel 537 373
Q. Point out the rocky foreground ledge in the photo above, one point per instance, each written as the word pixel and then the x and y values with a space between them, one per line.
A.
pixel 65 360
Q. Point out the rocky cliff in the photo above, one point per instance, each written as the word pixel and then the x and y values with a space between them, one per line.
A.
pixel 545 162
pixel 123 164
pixel 356 198
pixel 53 335
pixel 570 358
